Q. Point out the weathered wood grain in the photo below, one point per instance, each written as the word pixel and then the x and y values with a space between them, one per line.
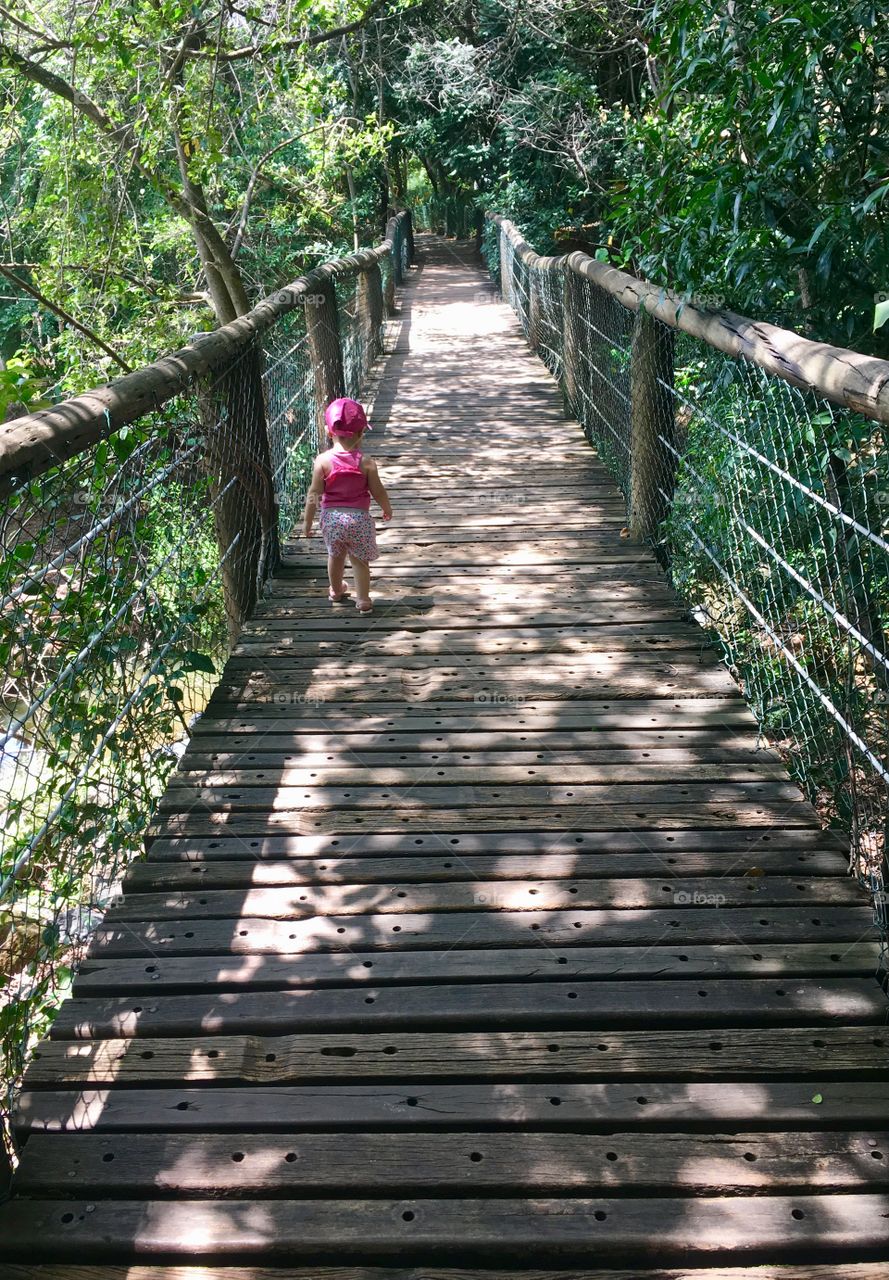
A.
pixel 468 930
pixel 429 868
pixel 275 973
pixel 404 898
pixel 673 848
pixel 603 1004
pixel 420 819
pixel 777 1052
pixel 688 1106
pixel 793 1271
pixel 660 1164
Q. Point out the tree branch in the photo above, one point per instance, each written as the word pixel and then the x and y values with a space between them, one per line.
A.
pixel 296 42
pixel 64 315
pixel 49 40
pixel 251 187
pixel 193 211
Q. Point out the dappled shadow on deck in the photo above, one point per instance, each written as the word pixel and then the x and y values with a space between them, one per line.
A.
pixel 483 931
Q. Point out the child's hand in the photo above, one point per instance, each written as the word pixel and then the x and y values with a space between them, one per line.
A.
pixel 387 515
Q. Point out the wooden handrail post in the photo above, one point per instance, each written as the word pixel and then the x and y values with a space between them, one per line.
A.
pixel 369 289
pixel 652 421
pixel 505 270
pixel 571 287
pixel 409 236
pixel 323 330
pixel 389 294
pixel 238 463
pixel 533 309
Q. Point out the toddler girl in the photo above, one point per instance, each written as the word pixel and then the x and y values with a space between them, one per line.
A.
pixel 345 480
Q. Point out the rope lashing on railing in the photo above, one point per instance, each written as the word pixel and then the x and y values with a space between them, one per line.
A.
pixel 755 461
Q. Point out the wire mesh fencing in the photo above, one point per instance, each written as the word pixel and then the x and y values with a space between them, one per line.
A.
pixel 768 505
pixel 126 574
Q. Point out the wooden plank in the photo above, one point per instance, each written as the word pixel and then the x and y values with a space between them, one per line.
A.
pixel 798 1271
pixel 454 555
pixel 510 745
pixel 496 1229
pixel 582 638
pixel 602 817
pixel 676 767
pixel 651 714
pixel 659 680
pixel 235 874
pixel 570 664
pixel 244 1164
pixel 468 930
pixel 353 755
pixel 197 973
pixel 273 799
pixel 482 645
pixel 691 1106
pixel 820 1054
pixel 804 844
pixel 602 1004
pixel 459 571
pixel 405 898
pixel 318 616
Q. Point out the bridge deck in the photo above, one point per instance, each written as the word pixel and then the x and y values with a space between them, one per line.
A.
pixel 475 933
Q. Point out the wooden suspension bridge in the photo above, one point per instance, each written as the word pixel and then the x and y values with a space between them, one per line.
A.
pixel 477 935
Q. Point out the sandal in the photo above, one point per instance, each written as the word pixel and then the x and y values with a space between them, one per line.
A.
pixel 364 606
pixel 335 599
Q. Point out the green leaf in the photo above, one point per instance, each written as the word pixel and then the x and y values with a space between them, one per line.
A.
pixel 881 314
pixel 818 232
pixel 199 662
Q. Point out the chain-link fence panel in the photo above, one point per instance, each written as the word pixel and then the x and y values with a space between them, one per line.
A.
pixel 288 382
pixel 113 608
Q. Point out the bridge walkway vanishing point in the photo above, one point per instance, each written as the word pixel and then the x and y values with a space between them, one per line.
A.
pixel 479 932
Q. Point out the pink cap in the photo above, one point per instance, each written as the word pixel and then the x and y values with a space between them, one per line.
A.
pixel 346 417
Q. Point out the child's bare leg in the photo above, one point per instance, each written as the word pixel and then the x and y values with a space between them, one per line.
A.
pixel 335 566
pixel 361 570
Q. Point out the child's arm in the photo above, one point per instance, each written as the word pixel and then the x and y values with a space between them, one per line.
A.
pixel 313 497
pixel 377 488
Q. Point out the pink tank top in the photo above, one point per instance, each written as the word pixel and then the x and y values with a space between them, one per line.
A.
pixel 345 485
